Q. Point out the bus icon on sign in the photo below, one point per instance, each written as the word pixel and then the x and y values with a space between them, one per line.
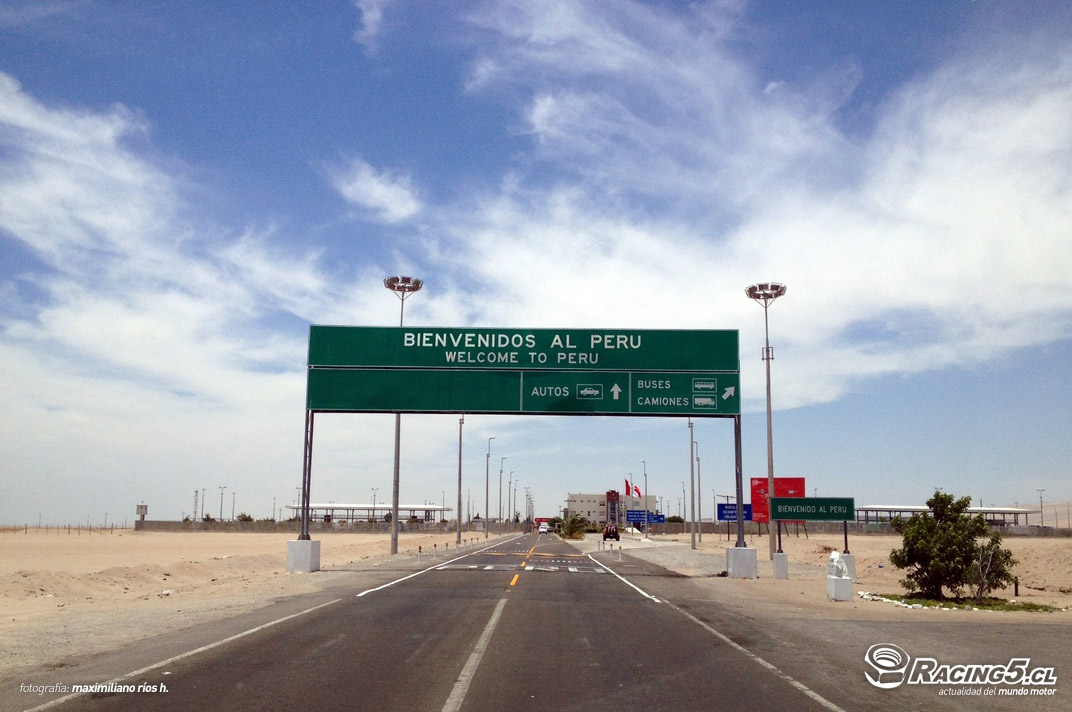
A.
pixel 704 384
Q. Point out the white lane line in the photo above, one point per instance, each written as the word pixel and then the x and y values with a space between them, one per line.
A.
pixel 632 585
pixel 433 567
pixel 187 654
pixel 736 646
pixel 799 685
pixel 457 695
pixel 430 568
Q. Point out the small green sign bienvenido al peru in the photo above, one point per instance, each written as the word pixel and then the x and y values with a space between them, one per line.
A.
pixel 813 509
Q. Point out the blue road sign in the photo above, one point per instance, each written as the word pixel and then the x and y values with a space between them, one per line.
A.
pixel 637 515
pixel 727 512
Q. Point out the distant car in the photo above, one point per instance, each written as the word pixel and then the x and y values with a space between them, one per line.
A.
pixel 544 529
pixel 611 532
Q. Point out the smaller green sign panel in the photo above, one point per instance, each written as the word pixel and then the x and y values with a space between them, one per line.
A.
pixel 813 509
pixel 388 390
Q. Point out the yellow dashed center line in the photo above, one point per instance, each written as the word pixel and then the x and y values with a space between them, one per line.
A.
pixel 525 562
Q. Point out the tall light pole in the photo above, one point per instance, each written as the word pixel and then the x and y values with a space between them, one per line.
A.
pixel 223 487
pixel 487 487
pixel 699 495
pixel 374 506
pixel 501 461
pixel 1042 519
pixel 402 287
pixel 692 485
pixel 644 499
pixel 461 424
pixel 764 294
pixel 509 507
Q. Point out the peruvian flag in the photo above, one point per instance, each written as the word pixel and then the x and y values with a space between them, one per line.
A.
pixel 628 489
pixel 636 491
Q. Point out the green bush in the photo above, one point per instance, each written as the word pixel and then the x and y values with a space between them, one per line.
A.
pixel 573 527
pixel 941 551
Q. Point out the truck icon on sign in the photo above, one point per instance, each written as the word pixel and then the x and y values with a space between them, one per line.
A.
pixel 704 402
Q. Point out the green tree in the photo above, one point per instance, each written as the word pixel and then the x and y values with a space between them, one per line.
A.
pixel 243 517
pixel 993 567
pixel 940 550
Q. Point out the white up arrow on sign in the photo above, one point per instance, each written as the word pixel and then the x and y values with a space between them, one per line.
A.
pixel 616 390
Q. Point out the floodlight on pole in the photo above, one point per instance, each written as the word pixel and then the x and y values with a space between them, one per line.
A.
pixel 764 294
pixel 1042 519
pixel 403 287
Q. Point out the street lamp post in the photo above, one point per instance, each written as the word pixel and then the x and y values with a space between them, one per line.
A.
pixel 461 424
pixel 692 485
pixel 501 461
pixel 509 506
pixel 1042 519
pixel 222 488
pixel 699 495
pixel 487 487
pixel 644 500
pixel 402 287
pixel 764 294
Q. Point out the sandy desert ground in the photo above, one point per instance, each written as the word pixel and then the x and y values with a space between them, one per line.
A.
pixel 96 592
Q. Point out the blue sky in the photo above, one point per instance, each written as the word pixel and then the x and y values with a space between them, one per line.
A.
pixel 185 187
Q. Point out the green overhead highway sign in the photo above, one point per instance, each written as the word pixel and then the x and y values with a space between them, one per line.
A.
pixel 691 393
pixel 813 509
pixel 523 349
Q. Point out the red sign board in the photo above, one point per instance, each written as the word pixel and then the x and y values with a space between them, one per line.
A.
pixel 541 520
pixel 783 487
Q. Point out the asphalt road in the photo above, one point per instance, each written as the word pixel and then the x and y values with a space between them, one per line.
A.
pixel 527 624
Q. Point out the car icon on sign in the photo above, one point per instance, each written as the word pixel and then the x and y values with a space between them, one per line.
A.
pixel 589 391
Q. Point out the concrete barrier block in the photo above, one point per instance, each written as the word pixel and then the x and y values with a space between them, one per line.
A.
pixel 742 562
pixel 303 556
pixel 781 566
pixel 839 588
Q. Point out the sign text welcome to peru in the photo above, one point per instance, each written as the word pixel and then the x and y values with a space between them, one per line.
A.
pixel 529 371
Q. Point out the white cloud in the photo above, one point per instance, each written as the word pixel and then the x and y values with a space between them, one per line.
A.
pixel 131 354
pixel 371 22
pixel 677 177
pixel 389 198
